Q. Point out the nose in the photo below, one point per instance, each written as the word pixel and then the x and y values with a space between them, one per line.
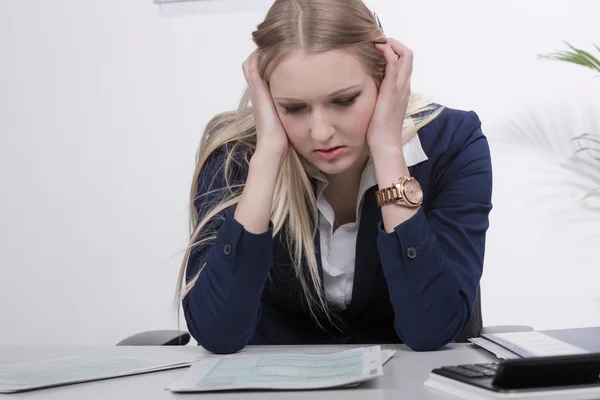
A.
pixel 320 129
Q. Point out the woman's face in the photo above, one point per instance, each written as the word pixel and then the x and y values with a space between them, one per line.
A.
pixel 325 102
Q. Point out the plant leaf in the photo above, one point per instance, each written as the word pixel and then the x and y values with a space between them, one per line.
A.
pixel 586 57
pixel 576 56
pixel 594 192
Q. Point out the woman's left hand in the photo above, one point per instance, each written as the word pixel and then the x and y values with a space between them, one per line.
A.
pixel 385 130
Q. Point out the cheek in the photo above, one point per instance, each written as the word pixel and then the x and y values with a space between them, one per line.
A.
pixel 294 128
pixel 357 120
pixel 363 118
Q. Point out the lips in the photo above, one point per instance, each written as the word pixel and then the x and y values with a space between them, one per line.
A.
pixel 330 153
pixel 328 149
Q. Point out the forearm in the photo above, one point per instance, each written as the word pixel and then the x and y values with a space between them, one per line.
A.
pixel 429 308
pixel 254 208
pixel 390 166
pixel 223 307
pixel 433 260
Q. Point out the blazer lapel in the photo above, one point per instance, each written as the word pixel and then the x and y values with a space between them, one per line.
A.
pixel 367 265
pixel 367 262
pixel 339 322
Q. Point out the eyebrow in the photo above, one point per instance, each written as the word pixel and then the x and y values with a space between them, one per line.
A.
pixel 330 95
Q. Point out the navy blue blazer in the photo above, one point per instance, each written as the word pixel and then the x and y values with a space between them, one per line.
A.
pixel 416 285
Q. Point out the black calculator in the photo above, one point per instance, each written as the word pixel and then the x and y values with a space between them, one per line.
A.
pixel 577 373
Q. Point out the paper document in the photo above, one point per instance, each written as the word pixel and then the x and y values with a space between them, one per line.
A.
pixel 386 355
pixel 282 371
pixel 493 348
pixel 534 344
pixel 62 371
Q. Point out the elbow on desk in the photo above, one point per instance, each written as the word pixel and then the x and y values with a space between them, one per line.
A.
pixel 219 341
pixel 220 347
pixel 422 344
pixel 429 336
pixel 423 330
pixel 216 341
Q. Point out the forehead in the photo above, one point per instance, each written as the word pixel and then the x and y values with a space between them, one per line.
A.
pixel 312 75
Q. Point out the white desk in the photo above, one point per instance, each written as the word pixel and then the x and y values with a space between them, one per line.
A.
pixel 403 378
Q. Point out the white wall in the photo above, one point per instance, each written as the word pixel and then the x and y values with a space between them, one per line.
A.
pixel 102 104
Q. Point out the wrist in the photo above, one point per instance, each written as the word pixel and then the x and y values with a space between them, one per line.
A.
pixel 389 152
pixel 268 157
pixel 389 166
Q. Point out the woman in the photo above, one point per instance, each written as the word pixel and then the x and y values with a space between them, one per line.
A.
pixel 340 208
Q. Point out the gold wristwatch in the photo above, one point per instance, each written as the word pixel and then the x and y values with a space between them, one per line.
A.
pixel 406 192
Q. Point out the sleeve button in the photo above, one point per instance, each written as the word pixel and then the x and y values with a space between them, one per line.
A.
pixel 227 249
pixel 411 253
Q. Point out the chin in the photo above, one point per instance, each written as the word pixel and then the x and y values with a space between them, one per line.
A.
pixel 334 167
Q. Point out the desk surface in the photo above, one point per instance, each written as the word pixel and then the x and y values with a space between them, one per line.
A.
pixel 403 377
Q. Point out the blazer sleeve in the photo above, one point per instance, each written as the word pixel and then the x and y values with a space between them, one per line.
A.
pixel 223 307
pixel 433 262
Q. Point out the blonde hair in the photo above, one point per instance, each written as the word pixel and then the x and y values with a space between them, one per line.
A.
pixel 309 25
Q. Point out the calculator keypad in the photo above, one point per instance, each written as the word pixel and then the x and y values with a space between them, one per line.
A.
pixel 473 370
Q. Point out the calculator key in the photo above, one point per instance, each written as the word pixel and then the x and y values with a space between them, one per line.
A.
pixel 482 370
pixel 492 366
pixel 465 372
pixel 452 368
pixel 471 374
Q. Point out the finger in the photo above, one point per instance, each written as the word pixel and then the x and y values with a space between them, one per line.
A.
pixel 250 66
pixel 399 48
pixel 259 92
pixel 391 59
pixel 249 82
pixel 406 56
pixel 253 68
pixel 245 69
pixel 387 51
pixel 257 82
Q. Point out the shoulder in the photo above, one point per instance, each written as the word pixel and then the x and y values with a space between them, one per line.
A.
pixel 216 152
pixel 450 132
pixel 227 165
pixel 233 155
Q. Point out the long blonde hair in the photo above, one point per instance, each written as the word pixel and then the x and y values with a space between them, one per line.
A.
pixel 310 25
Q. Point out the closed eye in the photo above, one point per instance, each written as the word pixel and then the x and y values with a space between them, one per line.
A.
pixel 346 102
pixel 292 109
pixel 297 108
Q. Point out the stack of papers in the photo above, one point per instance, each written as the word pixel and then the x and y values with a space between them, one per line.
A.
pixel 541 343
pixel 283 371
pixel 499 351
pixel 63 371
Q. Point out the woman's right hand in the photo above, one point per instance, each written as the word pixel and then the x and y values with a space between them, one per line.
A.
pixel 270 135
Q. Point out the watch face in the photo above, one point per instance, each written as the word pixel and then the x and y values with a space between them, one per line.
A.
pixel 413 191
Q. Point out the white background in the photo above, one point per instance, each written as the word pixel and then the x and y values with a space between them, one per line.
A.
pixel 102 105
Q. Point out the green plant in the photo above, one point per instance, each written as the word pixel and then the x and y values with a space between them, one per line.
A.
pixel 576 56
pixel 587 142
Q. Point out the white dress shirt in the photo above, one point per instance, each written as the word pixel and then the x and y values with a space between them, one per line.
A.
pixel 338 249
